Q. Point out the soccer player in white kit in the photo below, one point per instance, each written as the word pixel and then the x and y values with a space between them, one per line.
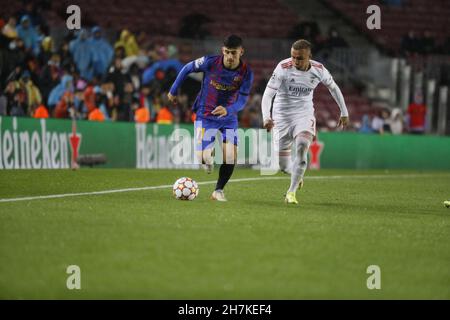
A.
pixel 292 84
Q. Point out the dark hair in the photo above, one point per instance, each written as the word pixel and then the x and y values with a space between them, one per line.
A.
pixel 301 44
pixel 232 41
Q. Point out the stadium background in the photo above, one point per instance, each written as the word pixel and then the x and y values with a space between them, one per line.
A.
pixel 144 244
pixel 377 69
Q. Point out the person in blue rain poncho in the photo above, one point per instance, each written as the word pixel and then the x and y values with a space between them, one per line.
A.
pixel 57 92
pixel 84 54
pixel 103 52
pixel 28 34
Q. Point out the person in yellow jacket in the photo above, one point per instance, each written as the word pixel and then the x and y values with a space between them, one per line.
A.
pixel 33 94
pixel 128 42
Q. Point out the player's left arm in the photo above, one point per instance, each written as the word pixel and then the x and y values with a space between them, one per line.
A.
pixel 336 93
pixel 244 92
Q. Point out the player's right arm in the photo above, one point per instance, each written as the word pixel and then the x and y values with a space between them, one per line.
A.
pixel 198 65
pixel 271 89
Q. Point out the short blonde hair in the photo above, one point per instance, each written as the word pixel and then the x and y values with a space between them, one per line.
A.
pixel 301 44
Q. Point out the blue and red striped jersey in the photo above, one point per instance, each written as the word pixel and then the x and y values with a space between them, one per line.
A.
pixel 220 86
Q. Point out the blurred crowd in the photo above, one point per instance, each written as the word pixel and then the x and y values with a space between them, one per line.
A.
pixel 414 44
pixel 87 76
pixel 413 120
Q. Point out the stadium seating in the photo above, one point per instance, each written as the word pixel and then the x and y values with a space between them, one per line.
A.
pixel 162 20
pixel 396 21
pixel 249 18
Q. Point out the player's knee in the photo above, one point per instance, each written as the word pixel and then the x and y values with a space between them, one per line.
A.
pixel 229 153
pixel 230 158
pixel 302 146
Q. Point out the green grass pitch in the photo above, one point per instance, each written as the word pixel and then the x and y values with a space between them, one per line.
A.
pixel 147 245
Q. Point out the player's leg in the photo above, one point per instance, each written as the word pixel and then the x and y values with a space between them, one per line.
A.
pixel 205 135
pixel 283 144
pixel 285 162
pixel 303 132
pixel 229 148
pixel 302 141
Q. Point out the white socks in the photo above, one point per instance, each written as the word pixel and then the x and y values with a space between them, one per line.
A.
pixel 300 162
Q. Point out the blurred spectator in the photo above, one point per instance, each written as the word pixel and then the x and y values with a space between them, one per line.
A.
pixel 416 115
pixel 308 30
pixel 84 54
pixel 103 50
pixel 124 109
pixel 117 77
pixel 172 51
pixel 410 44
pixel 46 50
pixel 135 76
pixel 365 125
pixel 32 93
pixel 3 104
pixel 334 40
pixel 141 61
pixel 102 101
pixel 96 115
pixel 164 116
pixel 9 29
pixel 50 76
pixel 16 98
pixel 128 42
pixel 160 66
pixel 142 115
pixel 65 85
pixel 378 123
pixel 28 34
pixel 143 40
pixel 385 115
pixel 16 55
pixel 65 55
pixel 396 121
pixel 145 100
pixel 32 65
pixel 89 98
pixel 427 43
pixel 119 52
pixel 41 112
pixel 32 11
pixel 62 109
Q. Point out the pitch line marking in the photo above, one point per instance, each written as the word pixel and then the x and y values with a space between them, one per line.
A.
pixel 66 195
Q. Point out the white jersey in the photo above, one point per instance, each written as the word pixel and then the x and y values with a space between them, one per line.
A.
pixel 295 88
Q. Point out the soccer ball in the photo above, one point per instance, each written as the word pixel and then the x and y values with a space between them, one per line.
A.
pixel 185 189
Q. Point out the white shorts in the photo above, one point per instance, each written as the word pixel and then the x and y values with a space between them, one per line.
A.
pixel 285 131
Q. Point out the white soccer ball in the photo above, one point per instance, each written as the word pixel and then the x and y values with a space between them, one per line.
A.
pixel 185 189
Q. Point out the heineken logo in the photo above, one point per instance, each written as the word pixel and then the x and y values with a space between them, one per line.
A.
pixel 36 149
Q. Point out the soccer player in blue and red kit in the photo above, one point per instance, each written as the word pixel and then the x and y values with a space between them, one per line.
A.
pixel 226 85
